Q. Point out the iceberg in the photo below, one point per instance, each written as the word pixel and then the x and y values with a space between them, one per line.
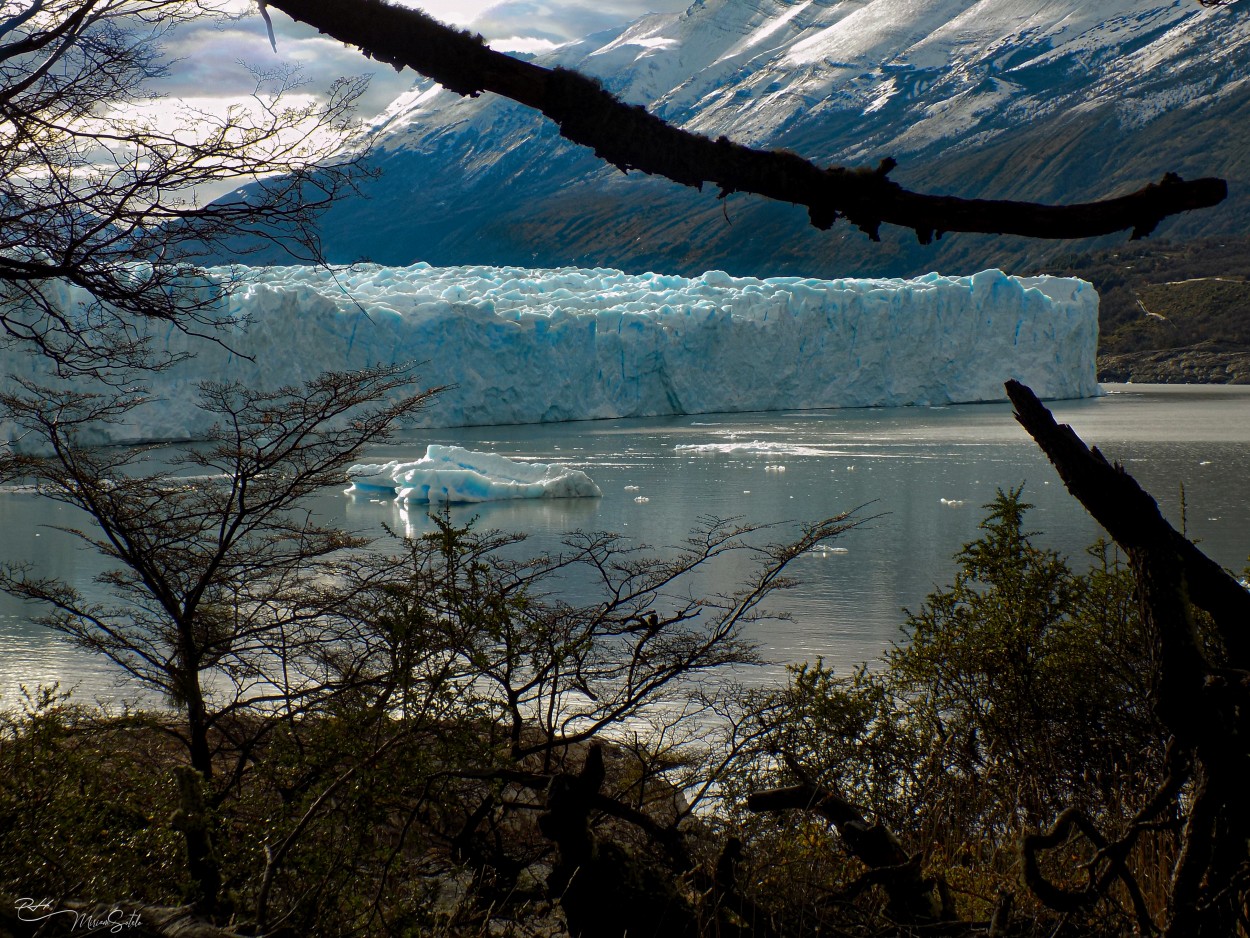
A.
pixel 518 345
pixel 454 474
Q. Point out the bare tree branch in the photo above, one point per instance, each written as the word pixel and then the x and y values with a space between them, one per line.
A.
pixel 913 897
pixel 1131 516
pixel 101 227
pixel 629 137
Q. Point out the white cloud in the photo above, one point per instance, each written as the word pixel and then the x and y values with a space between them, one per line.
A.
pixel 224 60
pixel 221 58
pixel 451 12
pixel 528 45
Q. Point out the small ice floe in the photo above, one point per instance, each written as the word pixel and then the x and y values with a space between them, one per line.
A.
pixel 745 448
pixel 454 474
pixel 631 488
pixel 824 550
pixel 1205 462
pixel 746 491
pixel 774 468
pixel 641 499
pixel 952 502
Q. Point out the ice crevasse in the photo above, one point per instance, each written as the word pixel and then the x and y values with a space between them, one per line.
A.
pixel 517 345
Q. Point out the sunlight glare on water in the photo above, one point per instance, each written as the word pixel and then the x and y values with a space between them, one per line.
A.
pixel 918 476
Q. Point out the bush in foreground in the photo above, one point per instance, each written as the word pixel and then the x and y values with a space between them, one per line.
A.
pixel 501 739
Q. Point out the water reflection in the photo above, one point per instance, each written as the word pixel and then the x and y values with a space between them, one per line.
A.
pixel 920 474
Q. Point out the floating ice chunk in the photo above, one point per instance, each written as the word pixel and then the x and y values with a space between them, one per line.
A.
pixel 952 502
pixel 767 447
pixel 455 474
pixel 373 478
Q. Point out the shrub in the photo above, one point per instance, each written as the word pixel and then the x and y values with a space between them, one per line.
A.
pixel 1018 692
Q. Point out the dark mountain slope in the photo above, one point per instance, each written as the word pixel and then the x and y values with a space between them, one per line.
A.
pixel 1171 311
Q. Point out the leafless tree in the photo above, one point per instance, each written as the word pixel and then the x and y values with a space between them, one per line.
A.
pixel 542 658
pixel 1199 689
pixel 100 223
pixel 218 606
pixel 552 673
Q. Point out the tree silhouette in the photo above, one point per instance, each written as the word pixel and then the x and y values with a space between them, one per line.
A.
pixel 218 599
pixel 100 224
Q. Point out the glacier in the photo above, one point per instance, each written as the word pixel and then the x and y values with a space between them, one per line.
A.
pixel 453 474
pixel 517 345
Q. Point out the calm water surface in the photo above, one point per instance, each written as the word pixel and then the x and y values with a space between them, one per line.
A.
pixel 921 474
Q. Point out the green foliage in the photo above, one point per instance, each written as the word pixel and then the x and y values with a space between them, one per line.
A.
pixel 854 731
pixel 1018 692
pixel 408 804
pixel 77 792
pixel 404 802
pixel 1027 675
pixel 457 610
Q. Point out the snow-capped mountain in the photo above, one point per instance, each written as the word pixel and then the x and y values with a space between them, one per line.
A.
pixel 1032 99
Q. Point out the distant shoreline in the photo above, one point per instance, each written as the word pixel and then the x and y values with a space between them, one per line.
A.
pixel 1204 363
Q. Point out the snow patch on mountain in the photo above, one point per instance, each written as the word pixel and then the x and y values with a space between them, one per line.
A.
pixel 760 70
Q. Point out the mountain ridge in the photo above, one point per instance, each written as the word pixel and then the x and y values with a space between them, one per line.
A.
pixel 992 98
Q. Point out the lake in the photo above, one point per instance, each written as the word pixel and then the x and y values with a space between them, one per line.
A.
pixel 920 474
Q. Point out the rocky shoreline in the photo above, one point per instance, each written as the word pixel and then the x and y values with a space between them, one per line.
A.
pixel 1205 363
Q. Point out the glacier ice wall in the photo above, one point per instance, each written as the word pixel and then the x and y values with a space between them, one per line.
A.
pixel 519 345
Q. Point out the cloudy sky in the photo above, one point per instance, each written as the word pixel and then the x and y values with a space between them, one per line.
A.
pixel 214 58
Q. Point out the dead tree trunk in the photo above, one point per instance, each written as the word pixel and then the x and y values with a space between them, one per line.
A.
pixel 604 891
pixel 1200 689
